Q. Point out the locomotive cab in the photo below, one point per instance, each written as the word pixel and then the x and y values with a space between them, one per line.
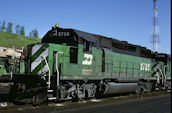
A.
pixel 64 37
pixel 78 44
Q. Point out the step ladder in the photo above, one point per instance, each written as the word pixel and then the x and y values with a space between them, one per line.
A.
pixel 49 91
pixel 50 95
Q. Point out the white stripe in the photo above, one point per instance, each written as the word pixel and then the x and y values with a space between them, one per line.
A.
pixel 43 70
pixel 35 48
pixel 37 61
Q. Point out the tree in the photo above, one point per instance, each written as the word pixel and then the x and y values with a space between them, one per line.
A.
pixel 9 27
pixel 31 34
pixel 22 31
pixel 34 33
pixel 18 29
pixel 2 27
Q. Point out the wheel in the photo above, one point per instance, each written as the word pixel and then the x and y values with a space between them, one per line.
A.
pixel 75 98
pixel 86 95
pixel 139 89
pixel 35 100
pixel 16 91
pixel 39 97
pixel 148 87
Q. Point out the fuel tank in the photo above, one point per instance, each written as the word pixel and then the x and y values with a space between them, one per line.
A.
pixel 115 88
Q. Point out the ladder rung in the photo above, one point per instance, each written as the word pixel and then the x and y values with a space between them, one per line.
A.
pixel 52 98
pixel 50 90
pixel 48 82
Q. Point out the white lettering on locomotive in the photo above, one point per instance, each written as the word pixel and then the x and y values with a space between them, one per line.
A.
pixel 145 66
pixel 63 34
pixel 86 71
pixel 56 33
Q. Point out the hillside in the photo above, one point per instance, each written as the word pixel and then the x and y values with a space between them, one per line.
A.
pixel 9 40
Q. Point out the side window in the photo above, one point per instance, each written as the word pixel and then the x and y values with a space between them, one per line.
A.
pixel 87 46
pixel 74 55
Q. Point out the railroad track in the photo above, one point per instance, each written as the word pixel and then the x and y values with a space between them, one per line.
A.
pixel 8 106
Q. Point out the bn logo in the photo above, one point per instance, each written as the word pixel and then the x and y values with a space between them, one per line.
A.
pixel 88 59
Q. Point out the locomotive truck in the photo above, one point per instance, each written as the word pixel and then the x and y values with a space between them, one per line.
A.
pixel 72 64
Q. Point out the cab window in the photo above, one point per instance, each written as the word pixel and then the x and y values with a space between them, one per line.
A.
pixel 87 46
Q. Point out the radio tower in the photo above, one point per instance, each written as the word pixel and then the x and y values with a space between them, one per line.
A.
pixel 155 39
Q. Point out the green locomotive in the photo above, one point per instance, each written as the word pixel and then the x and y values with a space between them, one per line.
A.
pixel 9 66
pixel 72 64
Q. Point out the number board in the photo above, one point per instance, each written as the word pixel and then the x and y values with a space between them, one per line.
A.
pixel 145 66
pixel 61 33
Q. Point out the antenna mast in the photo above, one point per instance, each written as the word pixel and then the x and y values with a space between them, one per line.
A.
pixel 155 39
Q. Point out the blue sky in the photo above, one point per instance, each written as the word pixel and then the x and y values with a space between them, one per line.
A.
pixel 128 20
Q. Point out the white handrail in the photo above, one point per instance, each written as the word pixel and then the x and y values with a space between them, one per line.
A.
pixel 165 74
pixel 57 67
pixel 49 76
pixel 157 75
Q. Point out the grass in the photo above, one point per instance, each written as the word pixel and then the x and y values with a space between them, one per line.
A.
pixel 10 40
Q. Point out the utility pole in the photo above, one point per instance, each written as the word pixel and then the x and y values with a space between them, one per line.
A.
pixel 155 38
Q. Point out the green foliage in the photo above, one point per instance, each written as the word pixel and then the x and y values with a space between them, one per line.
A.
pixel 9 40
pixel 18 29
pixel 34 33
pixel 9 27
pixel 22 31
pixel 2 27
